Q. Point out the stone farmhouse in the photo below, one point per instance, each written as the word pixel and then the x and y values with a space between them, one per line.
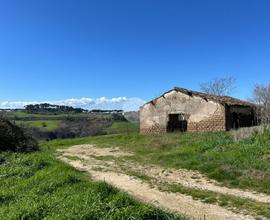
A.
pixel 184 110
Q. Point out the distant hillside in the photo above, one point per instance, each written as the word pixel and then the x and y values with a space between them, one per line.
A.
pixel 52 125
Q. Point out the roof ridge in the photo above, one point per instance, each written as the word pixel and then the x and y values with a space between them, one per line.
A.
pixel 228 100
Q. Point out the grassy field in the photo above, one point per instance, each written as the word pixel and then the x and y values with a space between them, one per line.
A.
pixel 244 164
pixel 44 122
pixel 23 115
pixel 50 122
pixel 37 186
pixel 123 128
pixel 44 125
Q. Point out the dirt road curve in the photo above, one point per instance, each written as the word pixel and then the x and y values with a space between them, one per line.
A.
pixel 85 157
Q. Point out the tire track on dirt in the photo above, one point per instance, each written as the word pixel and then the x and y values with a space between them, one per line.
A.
pixel 110 172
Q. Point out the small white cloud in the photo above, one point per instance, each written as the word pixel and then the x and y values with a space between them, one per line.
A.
pixel 133 104
pixel 124 103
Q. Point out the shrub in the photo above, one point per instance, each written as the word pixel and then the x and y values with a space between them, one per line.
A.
pixel 80 128
pixel 261 137
pixel 13 138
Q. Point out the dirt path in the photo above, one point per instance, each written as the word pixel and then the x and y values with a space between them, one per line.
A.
pixel 196 180
pixel 86 157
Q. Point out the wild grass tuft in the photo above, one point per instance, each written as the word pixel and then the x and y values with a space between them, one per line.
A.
pixel 37 186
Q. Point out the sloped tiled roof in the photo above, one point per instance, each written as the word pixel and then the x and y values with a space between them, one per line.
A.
pixel 226 100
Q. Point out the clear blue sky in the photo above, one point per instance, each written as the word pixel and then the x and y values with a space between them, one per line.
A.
pixel 54 50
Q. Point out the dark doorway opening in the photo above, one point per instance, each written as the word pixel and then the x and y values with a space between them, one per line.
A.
pixel 235 121
pixel 177 122
pixel 241 120
pixel 238 119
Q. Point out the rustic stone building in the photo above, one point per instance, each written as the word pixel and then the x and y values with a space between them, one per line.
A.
pixel 185 110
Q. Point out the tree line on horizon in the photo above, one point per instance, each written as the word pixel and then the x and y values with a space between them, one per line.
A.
pixel 46 108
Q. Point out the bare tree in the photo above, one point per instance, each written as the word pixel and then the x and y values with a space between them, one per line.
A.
pixel 219 86
pixel 261 96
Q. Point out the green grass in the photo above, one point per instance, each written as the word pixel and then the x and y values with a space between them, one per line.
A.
pixel 37 186
pixel 123 128
pixel 50 122
pixel 244 164
pixel 24 116
pixel 231 202
pixel 44 125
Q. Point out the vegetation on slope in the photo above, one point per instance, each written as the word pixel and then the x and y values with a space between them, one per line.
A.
pixel 43 125
pixel 13 138
pixel 244 164
pixel 50 126
pixel 37 186
pixel 123 128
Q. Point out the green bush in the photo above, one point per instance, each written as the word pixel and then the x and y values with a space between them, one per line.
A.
pixel 13 138
pixel 261 138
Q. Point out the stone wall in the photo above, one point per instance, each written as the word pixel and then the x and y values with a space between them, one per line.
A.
pixel 201 114
pixel 215 122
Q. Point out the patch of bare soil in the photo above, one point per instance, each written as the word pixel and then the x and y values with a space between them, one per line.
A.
pixel 113 173
pixel 196 180
pixel 86 149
